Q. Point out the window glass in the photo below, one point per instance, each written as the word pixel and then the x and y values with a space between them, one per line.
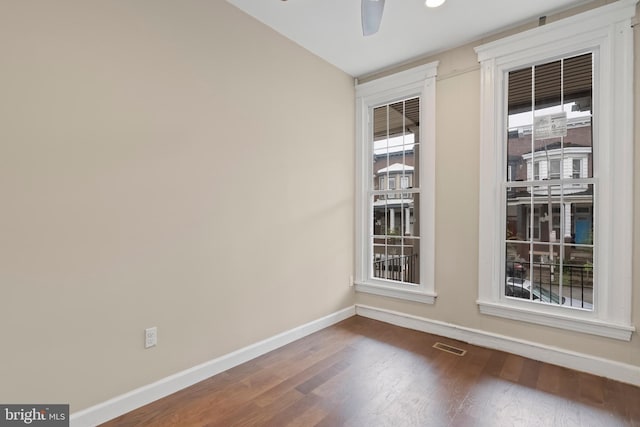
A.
pixel 549 228
pixel 395 241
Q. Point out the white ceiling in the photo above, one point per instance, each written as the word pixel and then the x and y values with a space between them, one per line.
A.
pixel 332 28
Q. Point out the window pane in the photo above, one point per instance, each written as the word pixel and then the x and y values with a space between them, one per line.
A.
pixel 381 148
pixel 380 215
pixel 520 120
pixel 577 277
pixel 397 124
pixel 577 86
pixel 411 260
pixel 547 81
pixel 395 215
pixel 414 204
pixel 517 288
pixel 379 258
pixel 392 217
pixel 380 123
pixel 548 112
pixel 579 214
pixel 545 217
pixel 545 273
pixel 406 216
pixel 396 258
pixel 518 207
pixel 517 260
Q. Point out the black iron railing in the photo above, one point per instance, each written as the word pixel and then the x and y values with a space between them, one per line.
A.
pixel 577 280
pixel 402 268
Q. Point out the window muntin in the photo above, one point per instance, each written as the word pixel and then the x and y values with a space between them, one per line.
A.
pixel 395 242
pixel 548 243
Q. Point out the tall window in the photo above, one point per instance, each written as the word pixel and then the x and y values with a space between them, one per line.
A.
pixel 396 235
pixel 555 232
pixel 547 246
pixel 396 146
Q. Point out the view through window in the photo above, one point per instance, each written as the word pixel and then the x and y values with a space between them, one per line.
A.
pixel 549 183
pixel 395 191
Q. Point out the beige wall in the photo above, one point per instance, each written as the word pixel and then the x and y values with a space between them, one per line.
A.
pixel 162 163
pixel 457 151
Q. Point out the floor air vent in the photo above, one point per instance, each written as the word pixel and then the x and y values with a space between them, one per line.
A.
pixel 449 349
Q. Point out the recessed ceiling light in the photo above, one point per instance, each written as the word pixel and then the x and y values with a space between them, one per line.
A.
pixel 434 3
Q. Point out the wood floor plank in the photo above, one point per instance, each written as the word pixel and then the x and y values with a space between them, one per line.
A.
pixel 549 378
pixel 361 372
pixel 309 416
pixel 512 368
pixel 302 375
pixel 530 372
pixel 251 414
pixel 495 363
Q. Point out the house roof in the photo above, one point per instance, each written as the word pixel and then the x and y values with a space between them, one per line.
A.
pixel 396 167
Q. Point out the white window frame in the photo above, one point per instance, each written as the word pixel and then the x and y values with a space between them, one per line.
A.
pixel 415 82
pixel 576 173
pixel 392 183
pixel 404 182
pixel 555 174
pixel 607 31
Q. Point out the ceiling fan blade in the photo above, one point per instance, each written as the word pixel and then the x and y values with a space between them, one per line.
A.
pixel 371 16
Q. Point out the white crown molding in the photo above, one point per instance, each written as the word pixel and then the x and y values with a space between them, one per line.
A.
pixel 411 78
pixel 574 26
pixel 134 399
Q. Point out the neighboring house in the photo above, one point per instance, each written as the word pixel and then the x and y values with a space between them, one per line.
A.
pixel 394 212
pixel 549 223
pixel 565 215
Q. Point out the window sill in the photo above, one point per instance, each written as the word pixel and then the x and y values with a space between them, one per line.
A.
pixel 398 292
pixel 555 320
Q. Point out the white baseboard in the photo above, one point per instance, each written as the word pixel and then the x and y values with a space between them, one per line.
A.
pixel 134 399
pixel 618 371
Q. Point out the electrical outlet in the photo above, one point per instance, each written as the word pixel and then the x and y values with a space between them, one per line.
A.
pixel 351 281
pixel 150 337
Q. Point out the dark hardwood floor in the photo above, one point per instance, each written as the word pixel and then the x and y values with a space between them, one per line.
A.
pixel 361 372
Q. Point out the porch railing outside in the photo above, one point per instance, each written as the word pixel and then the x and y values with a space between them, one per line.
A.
pixel 401 268
pixel 577 280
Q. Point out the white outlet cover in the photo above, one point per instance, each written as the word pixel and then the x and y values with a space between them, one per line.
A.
pixel 150 337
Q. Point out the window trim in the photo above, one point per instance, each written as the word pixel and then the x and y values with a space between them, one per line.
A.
pixel 607 31
pixel 392 180
pixel 418 81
